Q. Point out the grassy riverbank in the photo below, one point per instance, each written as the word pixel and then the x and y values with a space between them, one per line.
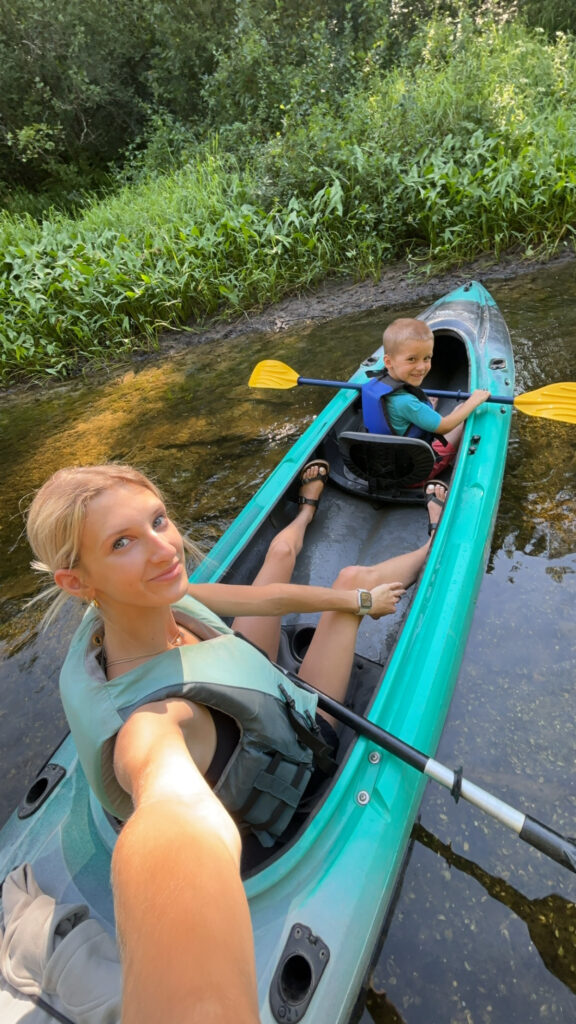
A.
pixel 464 147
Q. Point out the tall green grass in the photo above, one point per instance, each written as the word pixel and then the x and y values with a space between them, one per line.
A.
pixel 180 248
pixel 466 147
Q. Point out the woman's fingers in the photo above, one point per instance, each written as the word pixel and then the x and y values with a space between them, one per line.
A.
pixel 385 597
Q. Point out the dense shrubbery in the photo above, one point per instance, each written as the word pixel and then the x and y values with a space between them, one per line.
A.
pixel 461 148
pixel 81 80
pixel 461 144
pixel 82 83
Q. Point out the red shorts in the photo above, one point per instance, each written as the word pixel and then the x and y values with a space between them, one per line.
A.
pixel 445 455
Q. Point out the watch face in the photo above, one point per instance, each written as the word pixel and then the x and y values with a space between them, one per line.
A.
pixel 365 598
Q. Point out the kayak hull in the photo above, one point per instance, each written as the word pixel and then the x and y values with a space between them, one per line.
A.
pixel 319 904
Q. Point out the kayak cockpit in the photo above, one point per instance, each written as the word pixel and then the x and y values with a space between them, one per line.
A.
pixel 384 467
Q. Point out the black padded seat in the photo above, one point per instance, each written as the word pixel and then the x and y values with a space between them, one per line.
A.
pixel 384 461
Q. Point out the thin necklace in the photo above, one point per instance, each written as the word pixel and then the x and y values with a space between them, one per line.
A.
pixel 177 641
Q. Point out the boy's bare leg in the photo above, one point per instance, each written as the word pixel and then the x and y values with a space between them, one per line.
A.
pixel 454 436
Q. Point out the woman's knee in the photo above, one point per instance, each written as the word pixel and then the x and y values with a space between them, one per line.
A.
pixel 351 577
pixel 282 548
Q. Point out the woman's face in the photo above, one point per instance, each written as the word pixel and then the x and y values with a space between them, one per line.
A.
pixel 131 553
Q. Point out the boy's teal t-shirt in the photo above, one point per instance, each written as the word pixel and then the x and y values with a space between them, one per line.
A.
pixel 402 410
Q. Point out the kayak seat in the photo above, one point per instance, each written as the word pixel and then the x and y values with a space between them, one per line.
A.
pixel 385 461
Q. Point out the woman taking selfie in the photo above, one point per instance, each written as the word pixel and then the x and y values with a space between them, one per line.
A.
pixel 185 729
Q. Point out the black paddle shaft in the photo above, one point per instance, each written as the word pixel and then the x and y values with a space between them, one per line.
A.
pixel 530 830
pixel 458 395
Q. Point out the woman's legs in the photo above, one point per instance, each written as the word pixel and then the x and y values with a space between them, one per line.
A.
pixel 279 563
pixel 328 661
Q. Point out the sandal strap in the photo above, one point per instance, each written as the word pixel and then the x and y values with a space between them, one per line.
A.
pixel 321 465
pixel 308 501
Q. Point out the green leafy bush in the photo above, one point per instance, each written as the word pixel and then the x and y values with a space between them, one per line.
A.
pixel 465 146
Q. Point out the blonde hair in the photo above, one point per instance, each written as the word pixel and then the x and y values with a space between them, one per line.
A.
pixel 402 330
pixel 56 517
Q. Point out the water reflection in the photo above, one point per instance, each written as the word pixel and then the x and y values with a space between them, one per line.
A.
pixel 551 920
pixel 381 1010
pixel 551 923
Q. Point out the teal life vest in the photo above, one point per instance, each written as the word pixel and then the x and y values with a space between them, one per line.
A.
pixel 374 400
pixel 264 780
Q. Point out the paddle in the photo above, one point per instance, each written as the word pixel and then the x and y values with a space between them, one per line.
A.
pixel 553 402
pixel 532 831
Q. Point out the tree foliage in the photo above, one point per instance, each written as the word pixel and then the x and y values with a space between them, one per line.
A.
pixel 464 146
pixel 279 146
pixel 79 80
pixel 86 83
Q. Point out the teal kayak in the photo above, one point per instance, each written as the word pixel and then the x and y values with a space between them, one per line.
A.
pixel 319 903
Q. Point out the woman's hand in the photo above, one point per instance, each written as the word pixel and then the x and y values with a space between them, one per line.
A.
pixel 385 597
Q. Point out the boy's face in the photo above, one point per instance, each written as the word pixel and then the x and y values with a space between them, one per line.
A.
pixel 411 361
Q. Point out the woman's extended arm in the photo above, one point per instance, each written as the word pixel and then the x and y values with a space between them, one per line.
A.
pixel 281 598
pixel 181 912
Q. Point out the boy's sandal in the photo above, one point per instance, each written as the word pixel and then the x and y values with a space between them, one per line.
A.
pixel 431 497
pixel 322 476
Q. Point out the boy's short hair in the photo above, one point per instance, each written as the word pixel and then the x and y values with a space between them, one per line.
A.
pixel 405 329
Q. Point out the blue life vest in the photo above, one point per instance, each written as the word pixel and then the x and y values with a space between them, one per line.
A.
pixel 374 398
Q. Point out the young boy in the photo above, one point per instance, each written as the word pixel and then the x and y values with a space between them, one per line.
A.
pixel 396 404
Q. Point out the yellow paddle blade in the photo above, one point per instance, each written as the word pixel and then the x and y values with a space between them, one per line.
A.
pixel 553 402
pixel 270 373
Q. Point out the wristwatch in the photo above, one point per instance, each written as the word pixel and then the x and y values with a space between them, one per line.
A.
pixel 364 602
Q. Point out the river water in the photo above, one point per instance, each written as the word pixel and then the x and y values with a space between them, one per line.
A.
pixel 484 928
